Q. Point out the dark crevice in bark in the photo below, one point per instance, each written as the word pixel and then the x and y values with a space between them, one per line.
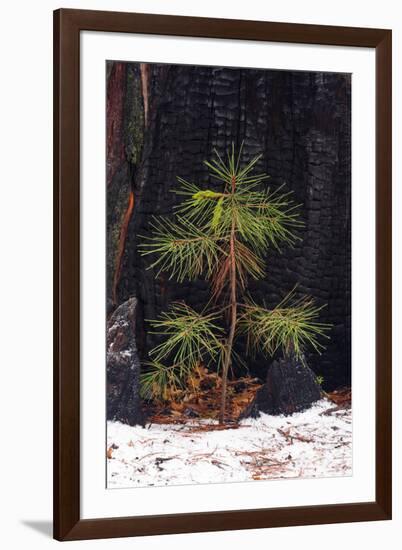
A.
pixel 121 245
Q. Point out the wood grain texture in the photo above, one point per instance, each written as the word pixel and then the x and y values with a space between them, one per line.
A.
pixel 67 522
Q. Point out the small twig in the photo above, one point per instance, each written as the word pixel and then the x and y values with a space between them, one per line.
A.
pixel 331 410
pixel 291 437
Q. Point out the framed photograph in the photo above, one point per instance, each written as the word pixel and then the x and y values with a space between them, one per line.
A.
pixel 222 274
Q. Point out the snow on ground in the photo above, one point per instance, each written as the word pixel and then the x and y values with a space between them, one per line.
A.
pixel 307 444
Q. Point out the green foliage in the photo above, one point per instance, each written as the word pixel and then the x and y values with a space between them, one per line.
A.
pixel 159 381
pixel 188 336
pixel 184 249
pixel 217 216
pixel 292 326
pixel 320 380
pixel 262 217
pixel 189 339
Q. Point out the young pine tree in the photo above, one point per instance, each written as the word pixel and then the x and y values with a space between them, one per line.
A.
pixel 225 237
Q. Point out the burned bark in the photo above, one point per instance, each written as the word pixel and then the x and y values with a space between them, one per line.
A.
pixel 174 116
pixel 123 366
pixel 290 387
pixel 127 111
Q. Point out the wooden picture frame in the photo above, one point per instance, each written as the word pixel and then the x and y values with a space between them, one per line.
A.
pixel 67 26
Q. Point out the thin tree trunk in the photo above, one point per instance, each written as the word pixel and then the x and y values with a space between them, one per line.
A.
pixel 233 316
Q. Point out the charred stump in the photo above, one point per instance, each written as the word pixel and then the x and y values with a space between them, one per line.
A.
pixel 123 366
pixel 290 387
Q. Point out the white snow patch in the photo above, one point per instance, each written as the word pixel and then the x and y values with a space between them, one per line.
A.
pixel 304 445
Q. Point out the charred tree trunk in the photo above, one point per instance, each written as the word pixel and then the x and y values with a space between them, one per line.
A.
pixel 126 124
pixel 173 118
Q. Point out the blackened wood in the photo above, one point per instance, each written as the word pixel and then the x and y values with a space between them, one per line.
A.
pixel 301 124
pixel 123 366
pixel 290 387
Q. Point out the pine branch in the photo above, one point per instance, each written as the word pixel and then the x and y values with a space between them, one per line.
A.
pixel 183 249
pixel 198 204
pixel 292 326
pixel 158 381
pixel 189 337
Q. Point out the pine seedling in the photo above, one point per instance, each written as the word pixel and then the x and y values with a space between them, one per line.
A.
pixel 225 237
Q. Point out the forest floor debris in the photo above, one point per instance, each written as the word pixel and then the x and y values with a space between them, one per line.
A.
pixel 305 445
pixel 201 398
